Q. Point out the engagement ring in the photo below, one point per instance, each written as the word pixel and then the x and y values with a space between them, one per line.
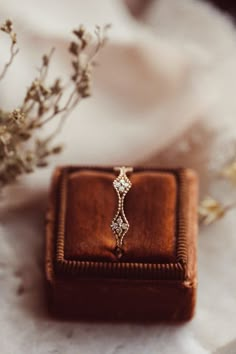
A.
pixel 120 224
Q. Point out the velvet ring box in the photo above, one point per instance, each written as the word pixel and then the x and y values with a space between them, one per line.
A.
pixel 155 279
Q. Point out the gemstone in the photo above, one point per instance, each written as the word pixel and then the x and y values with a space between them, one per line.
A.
pixel 121 189
pixel 124 226
pixel 119 220
pixel 118 252
pixel 114 225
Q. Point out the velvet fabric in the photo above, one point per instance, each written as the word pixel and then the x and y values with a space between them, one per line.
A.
pixel 156 277
pixel 149 207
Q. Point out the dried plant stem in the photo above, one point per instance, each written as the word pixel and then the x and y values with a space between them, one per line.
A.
pixel 7 28
pixel 43 71
pixel 61 110
pixel 210 209
pixel 13 53
pixel 63 120
pixel 20 151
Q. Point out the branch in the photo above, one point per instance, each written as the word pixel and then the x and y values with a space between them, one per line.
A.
pixel 8 29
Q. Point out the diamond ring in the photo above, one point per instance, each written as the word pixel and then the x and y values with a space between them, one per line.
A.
pixel 120 224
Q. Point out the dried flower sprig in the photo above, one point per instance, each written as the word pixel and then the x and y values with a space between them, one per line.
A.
pixel 229 172
pixel 7 27
pixel 210 209
pixel 20 151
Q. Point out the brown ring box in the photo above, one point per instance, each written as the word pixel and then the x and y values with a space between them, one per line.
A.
pixel 156 278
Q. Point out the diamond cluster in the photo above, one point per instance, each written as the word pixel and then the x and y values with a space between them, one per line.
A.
pixel 122 185
pixel 120 224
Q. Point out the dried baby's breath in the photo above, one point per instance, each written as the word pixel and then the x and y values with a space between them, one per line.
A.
pixel 210 209
pixel 7 28
pixel 229 172
pixel 20 151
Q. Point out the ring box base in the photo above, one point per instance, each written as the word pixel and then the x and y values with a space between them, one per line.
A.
pixel 156 278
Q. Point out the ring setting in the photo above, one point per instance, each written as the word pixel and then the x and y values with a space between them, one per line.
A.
pixel 120 224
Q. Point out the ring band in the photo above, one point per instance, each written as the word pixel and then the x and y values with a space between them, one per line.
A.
pixel 120 224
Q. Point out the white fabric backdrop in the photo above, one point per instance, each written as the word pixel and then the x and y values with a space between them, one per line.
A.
pixel 164 94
